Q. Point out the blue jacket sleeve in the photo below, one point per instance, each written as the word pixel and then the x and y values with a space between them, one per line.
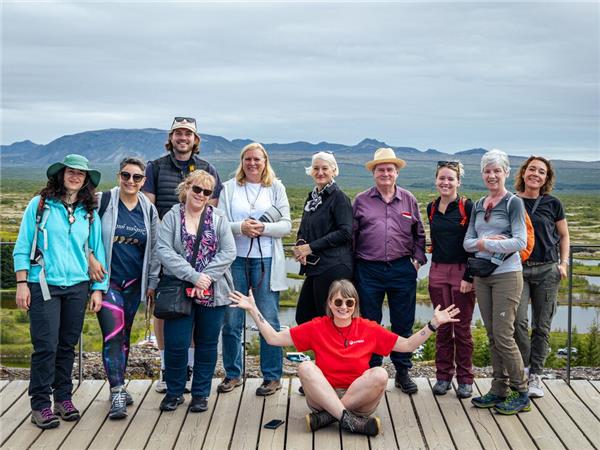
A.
pixel 24 241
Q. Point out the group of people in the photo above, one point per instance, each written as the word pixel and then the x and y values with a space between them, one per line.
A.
pixel 173 219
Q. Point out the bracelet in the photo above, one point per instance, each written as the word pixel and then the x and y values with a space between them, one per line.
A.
pixel 21 281
pixel 431 327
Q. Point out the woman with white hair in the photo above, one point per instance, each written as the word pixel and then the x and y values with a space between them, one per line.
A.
pixel 324 240
pixel 496 234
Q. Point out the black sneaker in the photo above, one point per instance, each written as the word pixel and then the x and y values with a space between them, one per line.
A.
pixel 44 418
pixel 66 410
pixel 370 426
pixel 170 403
pixel 199 404
pixel 118 403
pixel 317 420
pixel 405 383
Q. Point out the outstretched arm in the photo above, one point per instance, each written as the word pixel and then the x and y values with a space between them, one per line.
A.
pixel 276 338
pixel 440 317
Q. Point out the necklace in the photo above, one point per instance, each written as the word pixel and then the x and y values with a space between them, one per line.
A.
pixel 255 198
pixel 70 212
pixel 344 337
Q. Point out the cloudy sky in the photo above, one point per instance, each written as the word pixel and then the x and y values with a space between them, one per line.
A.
pixel 523 77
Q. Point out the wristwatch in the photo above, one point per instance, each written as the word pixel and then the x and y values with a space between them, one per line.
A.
pixel 431 327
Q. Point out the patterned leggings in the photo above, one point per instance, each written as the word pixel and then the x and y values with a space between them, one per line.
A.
pixel 119 305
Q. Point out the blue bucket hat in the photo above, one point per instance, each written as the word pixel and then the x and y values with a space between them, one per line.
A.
pixel 77 162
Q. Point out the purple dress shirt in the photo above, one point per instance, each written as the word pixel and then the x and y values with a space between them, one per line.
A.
pixel 388 231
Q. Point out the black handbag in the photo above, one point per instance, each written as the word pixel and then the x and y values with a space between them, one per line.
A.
pixel 172 301
pixel 480 267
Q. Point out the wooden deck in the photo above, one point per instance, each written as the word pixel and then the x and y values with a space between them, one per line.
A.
pixel 567 417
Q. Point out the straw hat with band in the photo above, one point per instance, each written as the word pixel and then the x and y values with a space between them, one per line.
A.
pixel 385 155
pixel 76 162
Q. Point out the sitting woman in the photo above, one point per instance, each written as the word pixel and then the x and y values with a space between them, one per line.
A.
pixel 340 386
pixel 194 218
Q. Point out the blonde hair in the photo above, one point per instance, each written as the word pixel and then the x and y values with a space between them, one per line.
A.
pixel 198 176
pixel 347 290
pixel 268 175
pixel 328 158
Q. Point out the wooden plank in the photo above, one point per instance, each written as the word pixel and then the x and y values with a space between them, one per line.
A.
pixel 30 436
pixel 432 422
pixel 404 419
pixel 485 426
pixel 168 426
pixel 588 395
pixel 85 430
pixel 596 384
pixel 275 408
pixel 539 430
pixel 13 417
pixel 456 420
pixel 110 434
pixel 3 384
pixel 193 427
pixel 142 424
pixel 11 394
pixel 247 426
pixel 328 437
pixel 223 419
pixel 387 439
pixel 586 421
pixel 511 427
pixel 298 437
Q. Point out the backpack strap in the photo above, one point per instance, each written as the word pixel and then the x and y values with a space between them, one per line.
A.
pixel 104 201
pixel 36 257
pixel 463 212
pixel 536 204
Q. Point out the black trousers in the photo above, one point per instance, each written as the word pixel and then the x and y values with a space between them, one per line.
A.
pixel 313 295
pixel 55 326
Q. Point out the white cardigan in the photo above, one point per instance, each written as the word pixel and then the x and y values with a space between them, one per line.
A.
pixel 275 231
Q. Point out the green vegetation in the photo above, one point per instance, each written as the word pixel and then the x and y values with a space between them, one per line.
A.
pixel 580 269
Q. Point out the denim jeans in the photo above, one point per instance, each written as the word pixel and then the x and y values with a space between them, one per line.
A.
pixel 271 363
pixel 206 323
pixel 540 283
pixel 397 279
pixel 55 326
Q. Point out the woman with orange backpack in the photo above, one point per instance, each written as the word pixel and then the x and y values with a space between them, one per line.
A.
pixel 544 268
pixel 449 281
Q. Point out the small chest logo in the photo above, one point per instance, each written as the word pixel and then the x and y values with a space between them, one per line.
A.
pixel 407 215
pixel 358 341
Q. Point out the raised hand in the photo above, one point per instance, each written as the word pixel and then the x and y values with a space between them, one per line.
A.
pixel 242 301
pixel 442 316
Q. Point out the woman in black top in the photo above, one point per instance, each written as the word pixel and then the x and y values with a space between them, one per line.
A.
pixel 449 282
pixel 545 267
pixel 324 245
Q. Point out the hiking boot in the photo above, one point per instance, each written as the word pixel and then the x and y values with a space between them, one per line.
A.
pixel 405 383
pixel 268 387
pixel 199 404
pixel 317 420
pixel 441 387
pixel 170 403
pixel 161 384
pixel 188 380
pixel 536 389
pixel 514 403
pixel 44 418
pixel 229 384
pixel 66 410
pixel 118 403
pixel 464 390
pixel 488 400
pixel 370 426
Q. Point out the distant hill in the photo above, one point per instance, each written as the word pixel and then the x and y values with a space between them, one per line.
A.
pixel 105 148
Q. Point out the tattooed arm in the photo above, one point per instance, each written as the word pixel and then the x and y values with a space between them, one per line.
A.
pixel 276 338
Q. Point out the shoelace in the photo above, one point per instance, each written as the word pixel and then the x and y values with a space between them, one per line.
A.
pixel 47 414
pixel 119 400
pixel 68 406
pixel 512 397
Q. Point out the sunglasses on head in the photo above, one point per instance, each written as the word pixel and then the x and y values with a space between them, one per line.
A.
pixel 184 119
pixel 454 164
pixel 350 302
pixel 198 190
pixel 125 176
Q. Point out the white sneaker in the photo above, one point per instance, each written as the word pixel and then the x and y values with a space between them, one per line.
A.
pixel 161 384
pixel 535 386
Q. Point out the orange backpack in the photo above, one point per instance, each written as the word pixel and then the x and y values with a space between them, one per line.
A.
pixel 526 252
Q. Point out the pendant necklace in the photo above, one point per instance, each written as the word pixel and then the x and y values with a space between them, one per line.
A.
pixel 70 212
pixel 344 337
pixel 255 198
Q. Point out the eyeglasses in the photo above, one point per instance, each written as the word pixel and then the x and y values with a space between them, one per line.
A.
pixel 454 164
pixel 125 176
pixel 488 212
pixel 184 119
pixel 198 190
pixel 350 302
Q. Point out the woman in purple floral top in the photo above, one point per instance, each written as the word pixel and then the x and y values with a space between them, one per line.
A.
pixel 211 279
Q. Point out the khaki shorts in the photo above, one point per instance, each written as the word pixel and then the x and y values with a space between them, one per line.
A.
pixel 340 393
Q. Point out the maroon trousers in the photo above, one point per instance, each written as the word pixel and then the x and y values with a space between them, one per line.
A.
pixel 454 344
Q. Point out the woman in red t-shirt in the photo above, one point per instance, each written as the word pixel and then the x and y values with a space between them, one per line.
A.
pixel 340 385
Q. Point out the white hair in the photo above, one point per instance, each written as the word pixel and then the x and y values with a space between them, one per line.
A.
pixel 328 158
pixel 496 157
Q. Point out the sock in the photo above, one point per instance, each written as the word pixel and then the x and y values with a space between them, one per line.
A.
pixel 191 357
pixel 162 360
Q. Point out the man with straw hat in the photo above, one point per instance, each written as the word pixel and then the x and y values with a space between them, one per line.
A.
pixel 389 247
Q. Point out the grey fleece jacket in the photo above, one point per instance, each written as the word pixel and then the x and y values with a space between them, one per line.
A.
pixel 171 253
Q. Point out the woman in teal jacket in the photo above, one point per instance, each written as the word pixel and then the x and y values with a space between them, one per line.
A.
pixel 58 229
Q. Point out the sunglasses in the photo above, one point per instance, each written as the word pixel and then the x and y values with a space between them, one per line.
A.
pixel 488 212
pixel 454 164
pixel 184 119
pixel 350 302
pixel 198 190
pixel 125 176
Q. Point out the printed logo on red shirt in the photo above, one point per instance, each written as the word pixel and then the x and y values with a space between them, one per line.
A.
pixel 407 215
pixel 358 341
